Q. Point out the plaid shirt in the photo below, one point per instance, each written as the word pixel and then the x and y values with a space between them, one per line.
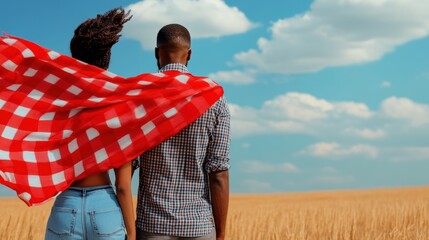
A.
pixel 173 195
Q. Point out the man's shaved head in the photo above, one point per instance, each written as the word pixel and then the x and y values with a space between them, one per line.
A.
pixel 173 45
pixel 173 35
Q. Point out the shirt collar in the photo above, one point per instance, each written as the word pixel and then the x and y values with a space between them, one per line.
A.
pixel 174 66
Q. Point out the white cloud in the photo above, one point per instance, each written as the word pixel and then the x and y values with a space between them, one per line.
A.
pixel 359 110
pixel 405 109
pixel 234 77
pixel 268 167
pixel 409 153
pixel 386 84
pixel 301 113
pixel 306 107
pixel 366 133
pixel 338 33
pixel 335 150
pixel 298 106
pixel 247 120
pixel 418 153
pixel 334 179
pixel 246 145
pixel 294 113
pixel 203 18
pixel 257 186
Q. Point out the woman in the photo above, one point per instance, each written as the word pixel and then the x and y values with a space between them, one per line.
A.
pixel 89 208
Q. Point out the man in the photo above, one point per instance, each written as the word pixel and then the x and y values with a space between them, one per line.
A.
pixel 184 182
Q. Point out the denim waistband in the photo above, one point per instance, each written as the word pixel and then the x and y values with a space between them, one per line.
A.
pixel 89 189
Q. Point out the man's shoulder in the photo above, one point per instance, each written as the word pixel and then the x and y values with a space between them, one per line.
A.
pixel 220 107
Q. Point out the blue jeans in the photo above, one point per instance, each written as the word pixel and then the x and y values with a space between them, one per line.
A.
pixel 86 213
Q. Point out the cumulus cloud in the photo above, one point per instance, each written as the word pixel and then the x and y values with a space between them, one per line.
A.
pixel 334 179
pixel 294 113
pixel 405 109
pixel 302 113
pixel 338 33
pixel 235 77
pixel 361 133
pixel 419 152
pixel 410 153
pixel 359 110
pixel 203 18
pixel 257 186
pixel 298 106
pixel 366 133
pixel 306 107
pixel 335 150
pixel 268 167
pixel 246 145
pixel 248 121
pixel 386 84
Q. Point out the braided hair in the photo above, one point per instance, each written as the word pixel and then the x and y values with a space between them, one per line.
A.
pixel 94 38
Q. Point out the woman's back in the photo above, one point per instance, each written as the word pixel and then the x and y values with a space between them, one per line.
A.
pixel 99 179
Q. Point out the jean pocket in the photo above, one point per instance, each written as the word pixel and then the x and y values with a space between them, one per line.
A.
pixel 62 221
pixel 107 223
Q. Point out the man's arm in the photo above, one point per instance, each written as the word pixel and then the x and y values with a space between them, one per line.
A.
pixel 217 166
pixel 219 191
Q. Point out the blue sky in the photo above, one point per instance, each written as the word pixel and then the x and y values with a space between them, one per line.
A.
pixel 324 94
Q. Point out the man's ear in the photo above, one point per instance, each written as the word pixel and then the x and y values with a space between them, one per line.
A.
pixel 189 55
pixel 156 53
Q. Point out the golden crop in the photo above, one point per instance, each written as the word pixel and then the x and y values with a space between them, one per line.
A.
pixel 386 214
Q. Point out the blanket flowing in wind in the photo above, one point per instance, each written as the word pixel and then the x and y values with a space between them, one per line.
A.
pixel 62 119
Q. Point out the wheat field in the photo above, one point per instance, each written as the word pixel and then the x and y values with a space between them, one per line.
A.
pixel 385 214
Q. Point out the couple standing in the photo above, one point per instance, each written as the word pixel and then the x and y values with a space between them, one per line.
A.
pixel 184 184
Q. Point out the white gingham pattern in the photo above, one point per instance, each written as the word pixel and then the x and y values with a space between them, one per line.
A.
pixel 62 120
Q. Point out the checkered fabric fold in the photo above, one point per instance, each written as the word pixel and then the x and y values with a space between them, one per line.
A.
pixel 62 120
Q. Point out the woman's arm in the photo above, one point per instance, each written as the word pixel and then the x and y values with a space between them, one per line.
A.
pixel 123 192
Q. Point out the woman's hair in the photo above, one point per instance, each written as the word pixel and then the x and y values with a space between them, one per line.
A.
pixel 94 38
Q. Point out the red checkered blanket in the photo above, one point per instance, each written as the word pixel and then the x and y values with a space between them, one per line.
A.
pixel 62 120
